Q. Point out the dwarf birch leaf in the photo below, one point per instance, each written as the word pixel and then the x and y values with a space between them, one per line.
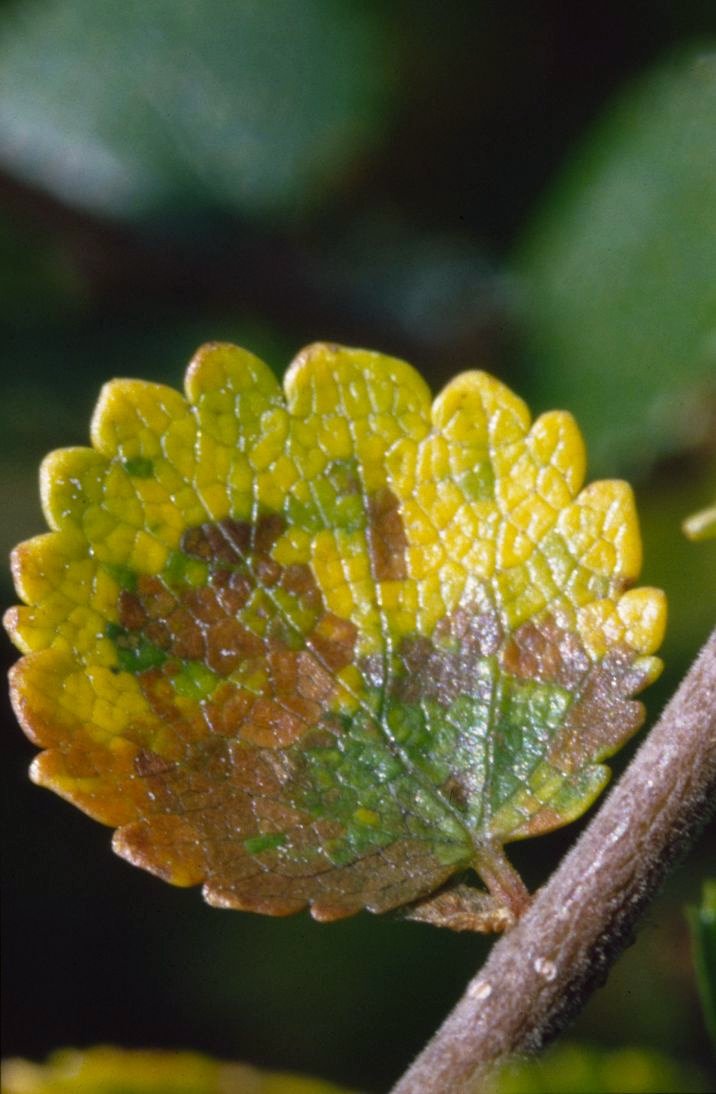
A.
pixel 330 645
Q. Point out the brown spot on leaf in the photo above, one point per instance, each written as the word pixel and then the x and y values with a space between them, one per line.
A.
pixel 205 605
pixel 166 846
pixel 147 762
pixel 387 542
pixel 603 716
pixel 542 650
pixel 158 634
pixel 456 792
pixel 228 644
pixel 232 589
pixel 268 572
pixel 378 881
pixel 156 599
pixel 276 681
pixel 267 530
pixel 545 820
pixel 272 725
pixel 313 681
pixel 131 611
pixel 188 637
pixel 474 626
pixel 226 710
pixel 444 667
pixel 299 580
pixel 334 640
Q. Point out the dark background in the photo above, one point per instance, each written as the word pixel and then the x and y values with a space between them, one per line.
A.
pixel 419 178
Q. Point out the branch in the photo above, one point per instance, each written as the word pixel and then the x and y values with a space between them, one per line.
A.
pixel 542 972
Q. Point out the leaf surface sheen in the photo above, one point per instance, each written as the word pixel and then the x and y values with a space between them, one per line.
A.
pixel 330 646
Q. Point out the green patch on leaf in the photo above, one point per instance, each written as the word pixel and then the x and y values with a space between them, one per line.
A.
pixel 479 483
pixel 195 681
pixel 258 844
pixel 125 577
pixel 134 653
pixel 181 569
pixel 139 467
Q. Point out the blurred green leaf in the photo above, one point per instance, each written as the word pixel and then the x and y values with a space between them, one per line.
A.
pixel 105 1070
pixel 620 272
pixel 584 1069
pixel 701 525
pixel 703 937
pixel 135 108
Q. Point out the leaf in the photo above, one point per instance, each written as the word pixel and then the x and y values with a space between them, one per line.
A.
pixel 105 1070
pixel 619 272
pixel 584 1069
pixel 701 525
pixel 189 105
pixel 330 646
pixel 703 939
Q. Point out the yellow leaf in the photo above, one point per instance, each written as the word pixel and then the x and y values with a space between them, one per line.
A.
pixel 330 644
